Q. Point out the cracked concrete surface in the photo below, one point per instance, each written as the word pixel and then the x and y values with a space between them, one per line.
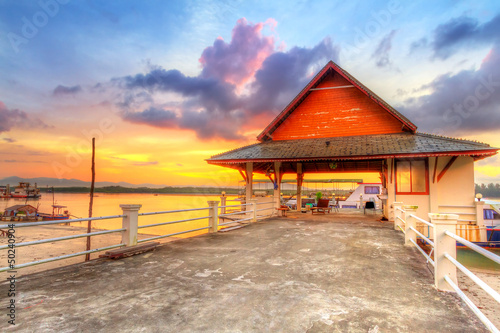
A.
pixel 331 273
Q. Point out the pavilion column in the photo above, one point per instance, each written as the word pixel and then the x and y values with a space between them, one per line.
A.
pixel 249 187
pixel 277 187
pixel 300 178
pixel 391 189
pixel 433 186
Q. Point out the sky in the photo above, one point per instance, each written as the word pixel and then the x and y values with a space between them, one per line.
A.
pixel 164 85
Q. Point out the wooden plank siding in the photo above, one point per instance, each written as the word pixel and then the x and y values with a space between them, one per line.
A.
pixel 344 111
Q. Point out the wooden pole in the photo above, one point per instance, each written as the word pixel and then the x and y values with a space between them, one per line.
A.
pixel 89 223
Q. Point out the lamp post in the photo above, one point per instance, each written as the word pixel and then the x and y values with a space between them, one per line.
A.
pixel 479 196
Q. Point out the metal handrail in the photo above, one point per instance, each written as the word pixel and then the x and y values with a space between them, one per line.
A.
pixel 245 204
pixel 168 235
pixel 33 224
pixel 404 232
pixel 42 241
pixel 457 206
pixel 236 221
pixel 400 209
pixel 171 222
pixel 265 203
pixel 471 305
pixel 423 237
pixel 474 247
pixel 474 278
pixel 422 220
pixel 234 213
pixel 260 210
pixel 423 252
pixel 67 256
pixel 401 219
pixel 173 211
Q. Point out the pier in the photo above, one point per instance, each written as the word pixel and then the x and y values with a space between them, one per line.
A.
pixel 342 272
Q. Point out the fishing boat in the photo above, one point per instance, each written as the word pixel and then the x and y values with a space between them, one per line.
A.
pixel 25 190
pixel 57 213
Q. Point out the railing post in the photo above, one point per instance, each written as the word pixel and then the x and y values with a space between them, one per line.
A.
pixel 396 213
pixel 444 244
pixel 213 220
pixel 130 222
pixel 410 222
pixel 480 221
pixel 254 209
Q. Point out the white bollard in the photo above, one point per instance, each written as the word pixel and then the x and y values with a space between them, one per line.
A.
pixel 130 222
pixel 410 222
pixel 444 244
pixel 213 220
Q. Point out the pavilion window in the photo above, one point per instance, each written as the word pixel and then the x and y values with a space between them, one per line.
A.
pixel 372 190
pixel 412 177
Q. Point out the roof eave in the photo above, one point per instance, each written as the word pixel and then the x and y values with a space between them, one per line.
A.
pixel 474 153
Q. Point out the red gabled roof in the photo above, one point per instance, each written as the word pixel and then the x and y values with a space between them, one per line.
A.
pixel 331 66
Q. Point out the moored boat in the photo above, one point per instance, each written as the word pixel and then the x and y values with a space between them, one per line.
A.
pixel 25 190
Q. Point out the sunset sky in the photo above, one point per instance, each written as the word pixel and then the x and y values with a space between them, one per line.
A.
pixel 163 85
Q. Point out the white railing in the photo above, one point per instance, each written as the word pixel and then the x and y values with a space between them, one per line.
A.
pixel 129 229
pixel 443 246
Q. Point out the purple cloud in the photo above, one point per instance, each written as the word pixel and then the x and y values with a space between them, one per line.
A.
pixel 381 53
pixel 10 118
pixel 64 90
pixel 239 80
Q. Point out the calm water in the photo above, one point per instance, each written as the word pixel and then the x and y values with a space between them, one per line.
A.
pixel 109 204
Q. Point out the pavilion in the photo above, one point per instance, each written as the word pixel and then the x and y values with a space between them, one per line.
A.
pixel 336 124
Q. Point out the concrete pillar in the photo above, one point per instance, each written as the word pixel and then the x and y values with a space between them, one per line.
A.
pixel 300 178
pixel 391 194
pixel 444 244
pixel 480 221
pixel 433 188
pixel 253 209
pixel 277 191
pixel 213 220
pixel 130 222
pixel 397 213
pixel 249 187
pixel 410 222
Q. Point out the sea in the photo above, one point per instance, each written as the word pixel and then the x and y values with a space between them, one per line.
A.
pixel 106 204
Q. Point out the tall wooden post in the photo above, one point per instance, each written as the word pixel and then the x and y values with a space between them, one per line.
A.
pixel 89 223
pixel 444 244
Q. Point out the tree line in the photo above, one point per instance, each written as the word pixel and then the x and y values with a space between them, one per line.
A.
pixel 488 191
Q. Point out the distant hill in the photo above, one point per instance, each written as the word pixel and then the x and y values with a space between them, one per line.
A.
pixel 56 182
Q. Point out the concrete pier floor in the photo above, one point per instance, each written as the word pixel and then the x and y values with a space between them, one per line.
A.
pixel 324 273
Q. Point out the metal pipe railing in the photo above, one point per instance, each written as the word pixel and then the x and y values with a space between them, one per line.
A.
pixel 423 253
pixel 67 256
pixel 422 220
pixel 401 219
pixel 171 222
pixel 173 211
pixel 472 306
pixel 404 232
pixel 236 221
pixel 169 235
pixel 33 224
pixel 400 209
pixel 234 213
pixel 58 239
pixel 423 237
pixel 474 278
pixel 474 247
